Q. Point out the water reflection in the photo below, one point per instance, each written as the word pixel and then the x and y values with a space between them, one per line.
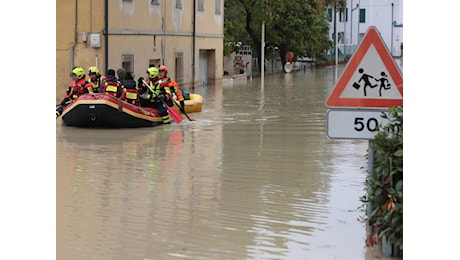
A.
pixel 253 178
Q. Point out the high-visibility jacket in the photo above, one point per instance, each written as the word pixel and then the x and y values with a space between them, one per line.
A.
pixel 77 88
pixel 174 88
pixel 95 85
pixel 112 87
pixel 159 88
pixel 131 96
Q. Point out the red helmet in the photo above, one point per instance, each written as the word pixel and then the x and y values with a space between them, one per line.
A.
pixel 164 68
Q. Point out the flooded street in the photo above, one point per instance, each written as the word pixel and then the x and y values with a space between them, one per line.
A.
pixel 254 177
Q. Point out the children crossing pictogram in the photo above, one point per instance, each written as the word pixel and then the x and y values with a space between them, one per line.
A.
pixel 383 83
pixel 365 78
pixel 371 78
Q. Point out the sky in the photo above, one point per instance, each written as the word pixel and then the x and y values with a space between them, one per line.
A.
pixel 430 97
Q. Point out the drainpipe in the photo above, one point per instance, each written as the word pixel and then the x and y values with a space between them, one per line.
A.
pixel 106 21
pixel 75 40
pixel 193 45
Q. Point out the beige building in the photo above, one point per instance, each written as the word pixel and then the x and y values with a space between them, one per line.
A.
pixel 184 35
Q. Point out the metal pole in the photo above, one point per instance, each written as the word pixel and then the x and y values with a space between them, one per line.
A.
pixel 351 23
pixel 336 42
pixel 345 14
pixel 370 177
pixel 263 54
pixel 359 16
pixel 193 44
pixel 106 25
pixel 392 29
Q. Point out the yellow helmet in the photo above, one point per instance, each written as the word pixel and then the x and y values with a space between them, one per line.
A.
pixel 153 72
pixel 79 71
pixel 93 70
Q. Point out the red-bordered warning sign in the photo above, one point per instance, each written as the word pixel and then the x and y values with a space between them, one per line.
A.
pixel 371 78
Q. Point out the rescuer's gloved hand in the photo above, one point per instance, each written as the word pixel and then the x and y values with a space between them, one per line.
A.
pixel 140 82
pixel 145 95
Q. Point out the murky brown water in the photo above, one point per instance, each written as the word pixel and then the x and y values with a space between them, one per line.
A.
pixel 253 178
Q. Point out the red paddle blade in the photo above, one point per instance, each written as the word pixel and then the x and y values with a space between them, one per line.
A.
pixel 175 115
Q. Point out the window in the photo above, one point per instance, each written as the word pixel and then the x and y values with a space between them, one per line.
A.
pixel 341 37
pixel 362 15
pixel 127 62
pixel 179 4
pixel 217 6
pixel 179 77
pixel 341 15
pixel 329 14
pixel 200 5
pixel 155 2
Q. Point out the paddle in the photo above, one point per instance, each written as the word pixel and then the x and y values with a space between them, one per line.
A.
pixel 183 108
pixel 172 112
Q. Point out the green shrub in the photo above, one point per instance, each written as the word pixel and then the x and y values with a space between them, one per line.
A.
pixel 385 187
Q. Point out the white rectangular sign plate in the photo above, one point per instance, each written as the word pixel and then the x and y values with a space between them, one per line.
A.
pixel 354 124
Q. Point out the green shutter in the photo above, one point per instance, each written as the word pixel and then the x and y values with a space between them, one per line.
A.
pixel 362 15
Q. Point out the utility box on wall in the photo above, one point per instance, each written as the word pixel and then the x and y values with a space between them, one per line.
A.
pixel 95 40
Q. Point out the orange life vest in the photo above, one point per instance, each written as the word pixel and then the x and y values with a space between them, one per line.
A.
pixel 112 88
pixel 77 88
pixel 131 96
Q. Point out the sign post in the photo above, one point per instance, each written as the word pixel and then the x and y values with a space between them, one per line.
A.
pixel 370 84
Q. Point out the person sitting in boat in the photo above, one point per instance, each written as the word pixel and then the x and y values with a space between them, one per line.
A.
pixel 129 91
pixel 173 88
pixel 94 78
pixel 77 87
pixel 121 74
pixel 154 93
pixel 111 85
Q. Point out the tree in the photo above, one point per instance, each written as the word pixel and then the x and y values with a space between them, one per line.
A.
pixel 299 26
pixel 234 31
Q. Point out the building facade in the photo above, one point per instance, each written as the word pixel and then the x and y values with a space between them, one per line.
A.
pixel 359 15
pixel 185 36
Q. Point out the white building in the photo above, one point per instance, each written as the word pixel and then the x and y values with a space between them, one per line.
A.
pixel 385 15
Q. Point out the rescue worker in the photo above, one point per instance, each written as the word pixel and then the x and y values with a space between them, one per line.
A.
pixel 94 79
pixel 130 92
pixel 77 87
pixel 158 97
pixel 111 85
pixel 173 88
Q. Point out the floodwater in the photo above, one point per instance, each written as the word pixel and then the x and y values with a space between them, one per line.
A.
pixel 254 177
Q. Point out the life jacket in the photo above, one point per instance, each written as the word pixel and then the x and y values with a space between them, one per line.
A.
pixel 95 85
pixel 158 90
pixel 131 96
pixel 174 88
pixel 112 88
pixel 77 88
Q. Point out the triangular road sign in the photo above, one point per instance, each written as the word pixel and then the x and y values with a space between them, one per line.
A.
pixel 371 78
